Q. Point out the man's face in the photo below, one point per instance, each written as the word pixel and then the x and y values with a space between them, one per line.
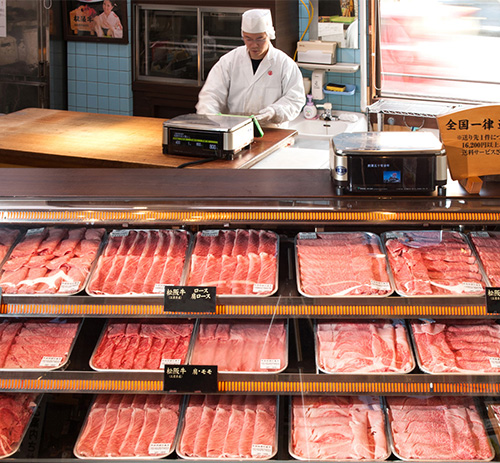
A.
pixel 257 44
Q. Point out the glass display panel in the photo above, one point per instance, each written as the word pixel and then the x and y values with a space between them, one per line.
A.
pixel 221 33
pixel 168 44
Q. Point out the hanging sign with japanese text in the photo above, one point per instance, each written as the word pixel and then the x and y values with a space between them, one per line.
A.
pixel 198 299
pixel 190 378
pixel 493 300
pixel 471 138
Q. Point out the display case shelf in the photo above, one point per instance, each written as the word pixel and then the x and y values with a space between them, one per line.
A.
pixel 282 383
pixel 273 306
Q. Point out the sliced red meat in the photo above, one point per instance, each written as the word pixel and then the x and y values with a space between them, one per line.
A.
pixel 130 265
pixel 127 448
pixel 145 262
pixel 192 417
pixel 160 256
pixel 29 244
pixel 119 432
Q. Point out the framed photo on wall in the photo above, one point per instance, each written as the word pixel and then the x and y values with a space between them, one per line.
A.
pixel 96 20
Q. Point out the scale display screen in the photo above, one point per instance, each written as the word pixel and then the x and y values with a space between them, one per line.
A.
pixel 195 143
pixel 391 173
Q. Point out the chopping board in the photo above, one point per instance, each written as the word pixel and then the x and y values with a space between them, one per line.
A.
pixel 53 138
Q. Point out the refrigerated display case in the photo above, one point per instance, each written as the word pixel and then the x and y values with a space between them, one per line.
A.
pixel 284 202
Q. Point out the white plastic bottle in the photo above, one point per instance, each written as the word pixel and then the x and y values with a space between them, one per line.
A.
pixel 310 110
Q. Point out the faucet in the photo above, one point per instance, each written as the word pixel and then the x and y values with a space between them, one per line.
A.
pixel 326 115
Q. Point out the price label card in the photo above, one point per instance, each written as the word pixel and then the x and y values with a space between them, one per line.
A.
pixel 308 236
pixel 261 450
pixel 190 378
pixel 48 361
pixel 159 448
pixel 34 231
pixel 492 300
pixel 494 362
pixel 118 233
pixel 190 299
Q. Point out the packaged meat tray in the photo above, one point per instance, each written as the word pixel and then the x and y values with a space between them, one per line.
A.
pixel 433 262
pixel 242 346
pixel 36 344
pixel 237 262
pixel 457 346
pixel 366 347
pixel 341 264
pixel 337 429
pixel 434 428
pixel 141 345
pixel 487 246
pixel 51 260
pixel 140 263
pixel 130 426
pixel 229 427
pixel 17 412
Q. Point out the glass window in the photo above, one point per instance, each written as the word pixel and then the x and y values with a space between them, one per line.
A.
pixel 221 33
pixel 168 44
pixel 439 50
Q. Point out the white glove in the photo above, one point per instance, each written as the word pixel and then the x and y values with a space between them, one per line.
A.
pixel 266 114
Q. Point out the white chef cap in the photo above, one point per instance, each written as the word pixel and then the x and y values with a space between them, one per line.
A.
pixel 257 21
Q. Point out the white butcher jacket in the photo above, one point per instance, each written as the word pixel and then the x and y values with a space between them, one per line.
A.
pixel 232 87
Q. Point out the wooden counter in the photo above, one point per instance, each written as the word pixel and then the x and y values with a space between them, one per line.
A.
pixel 51 138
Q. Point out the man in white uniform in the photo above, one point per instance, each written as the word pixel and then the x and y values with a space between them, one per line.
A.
pixel 255 78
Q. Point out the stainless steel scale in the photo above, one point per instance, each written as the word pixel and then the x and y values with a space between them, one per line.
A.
pixel 388 162
pixel 214 136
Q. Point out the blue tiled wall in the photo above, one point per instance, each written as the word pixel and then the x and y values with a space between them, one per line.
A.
pixel 100 76
pixel 344 55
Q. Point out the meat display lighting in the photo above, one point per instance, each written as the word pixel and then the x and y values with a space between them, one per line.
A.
pixel 211 217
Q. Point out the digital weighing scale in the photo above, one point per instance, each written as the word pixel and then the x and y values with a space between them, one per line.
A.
pixel 214 136
pixel 388 162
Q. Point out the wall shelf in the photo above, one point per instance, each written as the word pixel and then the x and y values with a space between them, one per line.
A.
pixel 344 68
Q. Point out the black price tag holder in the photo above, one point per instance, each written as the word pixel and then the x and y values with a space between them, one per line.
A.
pixel 185 299
pixel 190 378
pixel 492 300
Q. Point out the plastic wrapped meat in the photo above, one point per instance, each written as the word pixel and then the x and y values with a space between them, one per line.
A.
pixel 363 347
pixel 236 262
pixel 341 264
pixel 467 346
pixel 433 263
pixel 129 425
pixel 233 427
pixel 338 428
pixel 139 262
pixel 36 344
pixel 245 346
pixel 51 260
pixel 16 413
pixel 7 238
pixel 437 428
pixel 142 345
pixel 487 245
